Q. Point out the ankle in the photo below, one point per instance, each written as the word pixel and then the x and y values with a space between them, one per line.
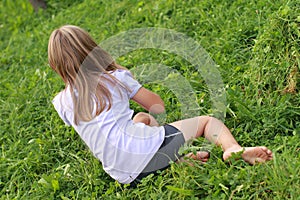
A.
pixel 233 147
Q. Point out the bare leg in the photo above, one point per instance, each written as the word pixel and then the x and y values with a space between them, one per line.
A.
pixel 145 118
pixel 216 132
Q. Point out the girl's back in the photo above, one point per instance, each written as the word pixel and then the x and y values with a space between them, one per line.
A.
pixel 114 132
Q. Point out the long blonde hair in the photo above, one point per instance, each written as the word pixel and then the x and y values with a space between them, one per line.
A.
pixel 75 56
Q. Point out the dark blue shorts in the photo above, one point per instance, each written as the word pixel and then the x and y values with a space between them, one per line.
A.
pixel 167 152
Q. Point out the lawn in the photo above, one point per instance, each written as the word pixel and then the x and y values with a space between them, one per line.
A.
pixel 254 50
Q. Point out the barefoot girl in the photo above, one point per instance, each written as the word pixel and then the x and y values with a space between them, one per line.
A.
pixel 95 102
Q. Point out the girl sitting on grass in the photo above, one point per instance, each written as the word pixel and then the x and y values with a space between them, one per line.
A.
pixel 95 102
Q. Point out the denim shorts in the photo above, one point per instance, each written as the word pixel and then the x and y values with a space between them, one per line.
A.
pixel 167 152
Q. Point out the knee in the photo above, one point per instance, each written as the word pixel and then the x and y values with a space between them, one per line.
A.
pixel 205 119
pixel 205 122
pixel 211 119
pixel 211 123
pixel 141 115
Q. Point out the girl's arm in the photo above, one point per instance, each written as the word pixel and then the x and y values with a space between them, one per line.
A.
pixel 149 101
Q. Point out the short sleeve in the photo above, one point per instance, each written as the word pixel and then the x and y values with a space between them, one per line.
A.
pixel 127 79
pixel 59 109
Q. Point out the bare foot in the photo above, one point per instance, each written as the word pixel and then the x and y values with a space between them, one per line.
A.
pixel 201 156
pixel 251 155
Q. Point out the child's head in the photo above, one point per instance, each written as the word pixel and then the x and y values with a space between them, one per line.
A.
pixel 76 57
pixel 71 50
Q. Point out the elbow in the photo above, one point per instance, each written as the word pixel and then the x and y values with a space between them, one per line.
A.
pixel 162 105
pixel 158 107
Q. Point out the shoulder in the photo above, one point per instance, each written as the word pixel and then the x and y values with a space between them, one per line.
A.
pixel 61 102
pixel 57 99
pixel 61 97
pixel 127 80
pixel 122 74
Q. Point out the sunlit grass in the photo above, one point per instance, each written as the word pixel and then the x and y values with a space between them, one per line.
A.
pixel 256 45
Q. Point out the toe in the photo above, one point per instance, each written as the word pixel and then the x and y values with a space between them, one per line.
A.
pixel 264 148
pixel 203 155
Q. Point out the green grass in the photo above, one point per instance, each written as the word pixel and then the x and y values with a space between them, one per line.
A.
pixel 256 45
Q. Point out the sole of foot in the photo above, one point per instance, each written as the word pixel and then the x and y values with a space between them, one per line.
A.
pixel 251 155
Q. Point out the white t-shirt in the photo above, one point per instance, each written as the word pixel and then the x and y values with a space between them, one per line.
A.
pixel 123 147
